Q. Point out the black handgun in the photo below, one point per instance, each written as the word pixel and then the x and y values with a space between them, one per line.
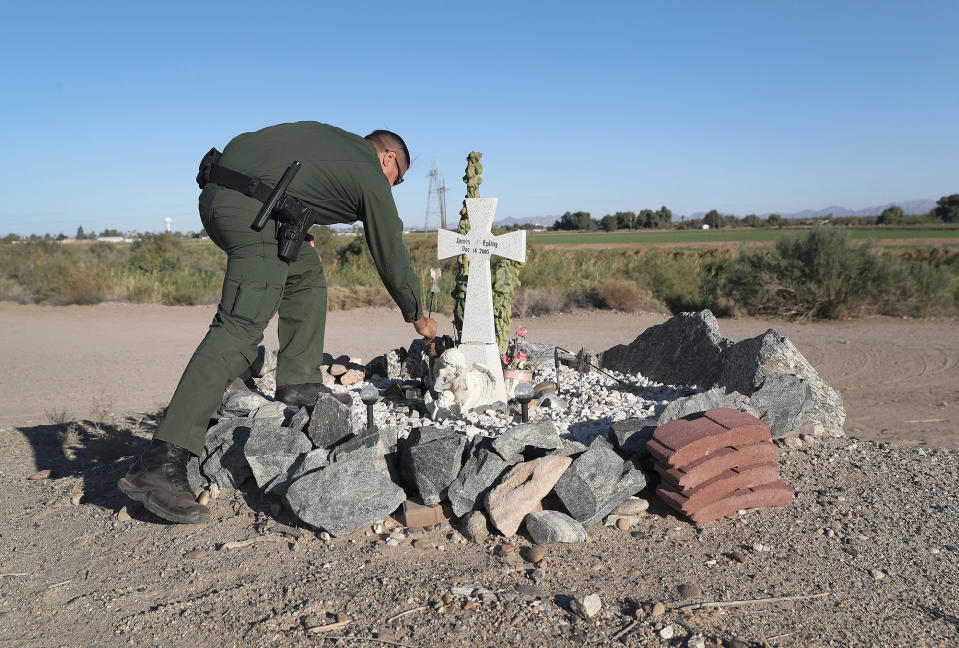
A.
pixel 294 217
pixel 297 221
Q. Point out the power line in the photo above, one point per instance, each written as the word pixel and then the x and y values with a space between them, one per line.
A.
pixel 437 189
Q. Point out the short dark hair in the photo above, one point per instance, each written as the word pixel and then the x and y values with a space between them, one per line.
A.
pixel 384 139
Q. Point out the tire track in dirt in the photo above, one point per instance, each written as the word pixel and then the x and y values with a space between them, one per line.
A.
pixel 921 365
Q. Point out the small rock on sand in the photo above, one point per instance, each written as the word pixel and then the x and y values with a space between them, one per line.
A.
pixel 535 553
pixel 196 554
pixel 586 606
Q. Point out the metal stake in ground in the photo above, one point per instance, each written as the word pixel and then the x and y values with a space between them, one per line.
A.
pixel 369 395
pixel 583 363
pixel 523 395
pixel 556 364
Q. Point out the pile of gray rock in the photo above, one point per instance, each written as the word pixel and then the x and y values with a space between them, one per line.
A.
pixel 765 375
pixel 577 463
pixel 338 476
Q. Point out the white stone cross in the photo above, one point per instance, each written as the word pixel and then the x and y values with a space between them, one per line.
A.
pixel 479 246
pixel 478 340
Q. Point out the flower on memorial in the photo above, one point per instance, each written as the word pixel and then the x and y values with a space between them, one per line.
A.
pixel 514 358
pixel 515 361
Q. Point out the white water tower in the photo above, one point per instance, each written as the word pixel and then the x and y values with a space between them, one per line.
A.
pixel 168 220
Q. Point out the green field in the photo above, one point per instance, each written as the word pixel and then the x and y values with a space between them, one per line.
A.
pixel 821 273
pixel 692 237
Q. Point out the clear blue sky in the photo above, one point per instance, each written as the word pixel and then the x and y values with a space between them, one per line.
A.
pixel 106 107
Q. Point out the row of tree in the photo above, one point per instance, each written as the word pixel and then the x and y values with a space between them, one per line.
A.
pixel 946 211
pixel 93 236
pixel 645 219
pixel 659 219
pixel 85 236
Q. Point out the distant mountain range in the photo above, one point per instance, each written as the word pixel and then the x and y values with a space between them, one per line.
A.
pixel 908 206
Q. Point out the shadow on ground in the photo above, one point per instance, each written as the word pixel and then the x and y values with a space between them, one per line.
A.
pixel 100 452
pixel 97 452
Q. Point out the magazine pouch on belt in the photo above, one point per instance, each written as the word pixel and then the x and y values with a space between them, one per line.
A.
pixel 206 164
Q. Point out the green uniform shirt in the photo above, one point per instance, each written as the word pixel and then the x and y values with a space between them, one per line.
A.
pixel 341 178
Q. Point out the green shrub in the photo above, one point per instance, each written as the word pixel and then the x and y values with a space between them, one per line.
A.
pixel 532 302
pixel 11 290
pixel 623 295
pixel 77 287
pixel 157 253
pixel 822 275
pixel 343 298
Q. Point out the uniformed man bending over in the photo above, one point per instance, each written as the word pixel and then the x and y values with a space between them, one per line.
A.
pixel 344 178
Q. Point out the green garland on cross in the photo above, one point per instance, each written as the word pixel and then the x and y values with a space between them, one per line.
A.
pixel 473 179
pixel 505 282
pixel 505 273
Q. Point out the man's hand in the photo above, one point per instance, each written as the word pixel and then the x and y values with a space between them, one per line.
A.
pixel 426 326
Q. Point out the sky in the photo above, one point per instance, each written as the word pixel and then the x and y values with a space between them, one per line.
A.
pixel 746 107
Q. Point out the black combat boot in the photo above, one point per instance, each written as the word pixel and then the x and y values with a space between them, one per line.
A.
pixel 301 394
pixel 158 479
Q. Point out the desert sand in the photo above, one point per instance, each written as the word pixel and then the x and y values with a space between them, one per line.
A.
pixel 899 378
pixel 865 555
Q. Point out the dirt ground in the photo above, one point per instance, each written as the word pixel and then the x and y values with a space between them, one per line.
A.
pixel 865 556
pixel 899 378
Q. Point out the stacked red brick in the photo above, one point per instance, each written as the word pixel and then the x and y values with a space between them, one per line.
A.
pixel 717 464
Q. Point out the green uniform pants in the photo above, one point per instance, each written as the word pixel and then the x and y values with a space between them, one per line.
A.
pixel 257 284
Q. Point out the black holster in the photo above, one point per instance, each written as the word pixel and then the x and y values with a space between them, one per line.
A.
pixel 295 221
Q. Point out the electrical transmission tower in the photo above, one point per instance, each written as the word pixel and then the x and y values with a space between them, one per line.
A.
pixel 435 199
